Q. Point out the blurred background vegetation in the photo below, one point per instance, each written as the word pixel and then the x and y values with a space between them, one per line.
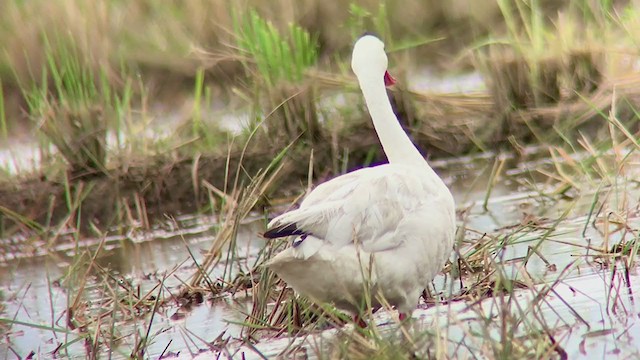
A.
pixel 162 46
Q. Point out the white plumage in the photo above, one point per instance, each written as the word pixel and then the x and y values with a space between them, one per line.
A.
pixel 385 230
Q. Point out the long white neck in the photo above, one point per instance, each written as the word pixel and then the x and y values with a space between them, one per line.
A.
pixel 395 142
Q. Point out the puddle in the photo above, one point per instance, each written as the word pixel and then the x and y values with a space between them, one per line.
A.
pixel 32 292
pixel 426 79
pixel 591 310
pixel 19 156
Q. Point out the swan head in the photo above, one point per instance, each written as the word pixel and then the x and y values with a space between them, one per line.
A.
pixel 370 60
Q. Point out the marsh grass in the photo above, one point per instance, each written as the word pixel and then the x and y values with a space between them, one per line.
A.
pixel 278 61
pixel 198 133
pixel 378 21
pixel 281 88
pixel 515 333
pixel 73 98
pixel 487 277
pixel 545 60
pixel 374 345
pixel 99 302
pixel 276 56
pixel 165 40
pixel 73 106
pixel 112 312
pixel 237 200
pixel 3 115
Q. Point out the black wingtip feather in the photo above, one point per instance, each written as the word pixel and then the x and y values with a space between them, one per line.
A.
pixel 282 231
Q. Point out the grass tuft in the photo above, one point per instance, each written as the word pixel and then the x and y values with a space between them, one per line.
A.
pixel 542 59
pixel 73 106
pixel 277 57
pixel 278 61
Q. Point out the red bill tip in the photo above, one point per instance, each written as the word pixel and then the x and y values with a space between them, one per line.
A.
pixel 388 79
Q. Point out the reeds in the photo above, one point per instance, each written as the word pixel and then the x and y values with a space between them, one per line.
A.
pixel 544 60
pixel 278 61
pixel 74 106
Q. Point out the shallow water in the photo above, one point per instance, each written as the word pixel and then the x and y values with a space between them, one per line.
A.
pixel 582 312
pixel 33 293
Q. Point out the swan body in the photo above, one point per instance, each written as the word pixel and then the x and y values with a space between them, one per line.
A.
pixel 383 231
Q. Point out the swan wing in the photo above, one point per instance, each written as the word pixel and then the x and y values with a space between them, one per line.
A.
pixel 366 206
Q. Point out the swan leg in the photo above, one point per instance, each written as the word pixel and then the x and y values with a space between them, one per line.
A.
pixel 359 321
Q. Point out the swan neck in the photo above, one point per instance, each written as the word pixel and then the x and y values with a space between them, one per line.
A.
pixel 395 142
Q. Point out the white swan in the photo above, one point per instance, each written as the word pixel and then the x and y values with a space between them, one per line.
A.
pixel 385 230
